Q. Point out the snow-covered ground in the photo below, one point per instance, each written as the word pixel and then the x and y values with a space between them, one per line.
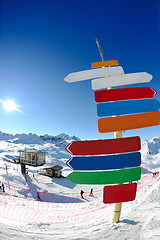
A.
pixel 24 217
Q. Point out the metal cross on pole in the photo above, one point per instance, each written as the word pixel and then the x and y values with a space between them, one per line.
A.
pixel 118 206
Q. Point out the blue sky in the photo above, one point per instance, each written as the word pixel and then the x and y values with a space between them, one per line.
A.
pixel 41 42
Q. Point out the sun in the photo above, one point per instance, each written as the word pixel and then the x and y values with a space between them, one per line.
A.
pixel 10 106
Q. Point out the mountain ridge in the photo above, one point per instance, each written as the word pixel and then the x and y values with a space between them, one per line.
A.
pixel 35 139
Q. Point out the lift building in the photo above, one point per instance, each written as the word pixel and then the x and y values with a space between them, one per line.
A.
pixel 32 158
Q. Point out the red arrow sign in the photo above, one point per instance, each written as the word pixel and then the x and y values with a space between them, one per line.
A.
pixel 119 193
pixel 106 146
pixel 124 94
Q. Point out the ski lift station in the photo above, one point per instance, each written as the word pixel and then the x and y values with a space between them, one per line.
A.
pixel 32 158
pixel 52 171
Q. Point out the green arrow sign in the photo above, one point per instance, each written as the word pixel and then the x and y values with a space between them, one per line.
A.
pixel 105 177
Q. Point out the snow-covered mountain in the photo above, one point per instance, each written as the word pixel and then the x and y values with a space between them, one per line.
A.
pixel 150 150
pixel 54 146
pixel 152 145
pixel 35 139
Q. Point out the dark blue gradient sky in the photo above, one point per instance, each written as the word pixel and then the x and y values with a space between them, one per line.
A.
pixel 41 42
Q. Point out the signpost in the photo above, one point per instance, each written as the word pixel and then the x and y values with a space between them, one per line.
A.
pixel 107 162
pixel 123 123
pixel 120 94
pixel 127 107
pixel 120 80
pixel 105 177
pixel 114 161
pixel 104 146
pixel 117 209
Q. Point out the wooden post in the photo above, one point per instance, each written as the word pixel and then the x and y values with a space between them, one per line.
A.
pixel 118 206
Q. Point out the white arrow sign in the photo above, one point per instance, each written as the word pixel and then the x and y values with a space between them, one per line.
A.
pixel 120 80
pixel 94 73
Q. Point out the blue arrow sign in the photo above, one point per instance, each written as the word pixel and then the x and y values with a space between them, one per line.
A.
pixel 106 162
pixel 127 107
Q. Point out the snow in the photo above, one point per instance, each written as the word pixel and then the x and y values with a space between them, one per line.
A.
pixel 88 218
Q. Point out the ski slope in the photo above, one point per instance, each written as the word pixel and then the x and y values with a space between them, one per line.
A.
pixel 57 207
pixel 140 219
pixel 62 214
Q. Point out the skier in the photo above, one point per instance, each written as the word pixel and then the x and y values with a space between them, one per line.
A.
pixel 38 196
pixel 91 192
pixel 3 187
pixel 81 193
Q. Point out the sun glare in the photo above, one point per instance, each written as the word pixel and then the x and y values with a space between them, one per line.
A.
pixel 10 106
